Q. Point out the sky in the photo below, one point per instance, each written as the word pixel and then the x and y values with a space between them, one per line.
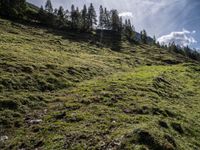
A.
pixel 169 20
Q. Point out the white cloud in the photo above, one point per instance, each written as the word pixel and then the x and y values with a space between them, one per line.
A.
pixel 126 14
pixel 182 38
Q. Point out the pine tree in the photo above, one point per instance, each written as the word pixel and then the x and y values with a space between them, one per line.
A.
pixel 55 12
pixel 120 24
pixel 107 19
pixel 172 47
pixel 129 30
pixel 115 22
pixel 84 17
pixel 47 16
pixel 91 17
pixel 48 6
pixel 154 40
pixel 61 13
pixel 73 17
pixel 60 17
pixel 143 35
pixel 77 18
pixel 187 50
pixel 67 15
pixel 101 17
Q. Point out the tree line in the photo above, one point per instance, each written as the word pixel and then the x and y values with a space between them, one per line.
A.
pixel 84 20
pixel 185 51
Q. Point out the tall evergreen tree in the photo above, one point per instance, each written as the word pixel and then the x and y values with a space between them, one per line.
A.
pixel 61 13
pixel 67 15
pixel 55 12
pixel 115 21
pixel 91 17
pixel 47 16
pixel 143 35
pixel 73 17
pixel 84 16
pixel 121 23
pixel 78 18
pixel 154 40
pixel 61 17
pixel 48 6
pixel 101 17
pixel 129 30
pixel 172 47
pixel 107 19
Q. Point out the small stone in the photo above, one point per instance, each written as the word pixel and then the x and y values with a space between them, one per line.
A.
pixel 3 138
pixel 163 124
pixel 113 121
pixel 177 127
pixel 36 121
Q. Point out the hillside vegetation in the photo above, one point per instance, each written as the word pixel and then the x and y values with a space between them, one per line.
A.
pixel 60 92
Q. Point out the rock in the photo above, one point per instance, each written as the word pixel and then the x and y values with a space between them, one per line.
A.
pixel 3 138
pixel 177 127
pixel 113 121
pixel 61 115
pixel 127 111
pixel 170 139
pixel 36 121
pixel 163 124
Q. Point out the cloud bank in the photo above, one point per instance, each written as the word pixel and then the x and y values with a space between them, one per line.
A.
pixel 182 38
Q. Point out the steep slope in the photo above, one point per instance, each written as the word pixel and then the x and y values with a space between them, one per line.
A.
pixel 60 92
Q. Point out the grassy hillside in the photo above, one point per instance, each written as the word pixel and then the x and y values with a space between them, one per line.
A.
pixel 61 93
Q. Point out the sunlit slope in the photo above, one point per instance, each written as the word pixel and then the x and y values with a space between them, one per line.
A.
pixel 61 92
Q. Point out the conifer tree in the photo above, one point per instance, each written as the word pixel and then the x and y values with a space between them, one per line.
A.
pixel 61 13
pixel 129 30
pixel 77 18
pixel 55 12
pixel 48 6
pixel 91 17
pixel 107 19
pixel 84 16
pixel 60 17
pixel 73 17
pixel 67 15
pixel 154 40
pixel 120 23
pixel 143 35
pixel 115 21
pixel 101 17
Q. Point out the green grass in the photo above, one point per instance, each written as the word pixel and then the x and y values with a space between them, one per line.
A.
pixel 87 97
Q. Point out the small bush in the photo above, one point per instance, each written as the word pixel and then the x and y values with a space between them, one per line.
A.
pixel 9 104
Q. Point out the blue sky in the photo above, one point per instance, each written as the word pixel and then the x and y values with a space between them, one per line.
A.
pixel 168 20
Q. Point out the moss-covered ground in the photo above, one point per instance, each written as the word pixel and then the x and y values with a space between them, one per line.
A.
pixel 61 93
